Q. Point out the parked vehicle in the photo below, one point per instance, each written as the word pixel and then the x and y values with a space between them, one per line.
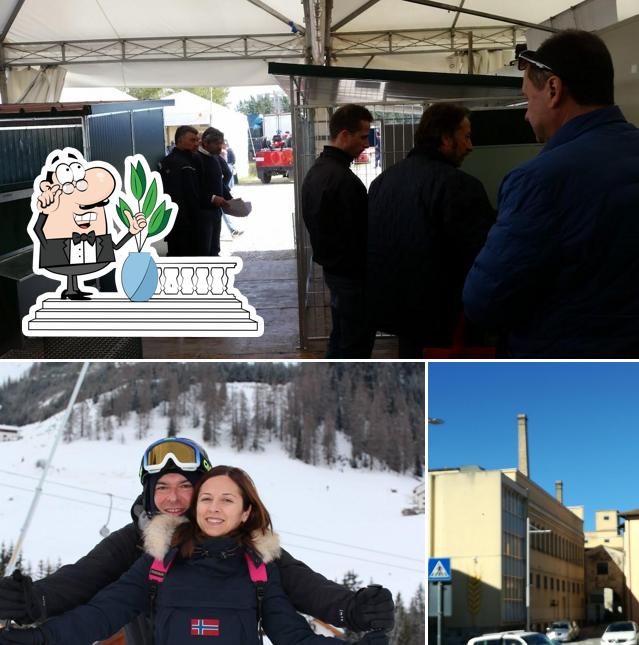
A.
pixel 273 162
pixel 621 632
pixel 562 630
pixel 518 637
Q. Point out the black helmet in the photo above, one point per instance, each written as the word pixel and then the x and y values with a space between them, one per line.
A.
pixel 171 455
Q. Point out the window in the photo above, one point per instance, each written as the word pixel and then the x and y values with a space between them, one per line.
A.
pixel 606 517
pixel 602 568
pixel 563 585
pixel 537 581
pixel 545 582
pixel 606 540
pixel 552 583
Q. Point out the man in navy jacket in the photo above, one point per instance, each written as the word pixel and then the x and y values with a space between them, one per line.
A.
pixel 559 272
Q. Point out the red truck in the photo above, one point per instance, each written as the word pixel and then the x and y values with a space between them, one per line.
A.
pixel 276 160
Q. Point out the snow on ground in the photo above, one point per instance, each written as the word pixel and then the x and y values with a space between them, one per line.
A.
pixel 335 519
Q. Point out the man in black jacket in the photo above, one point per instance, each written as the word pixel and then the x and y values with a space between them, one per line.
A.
pixel 181 170
pixel 427 221
pixel 169 491
pixel 214 192
pixel 334 208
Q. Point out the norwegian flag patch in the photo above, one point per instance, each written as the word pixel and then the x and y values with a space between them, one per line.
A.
pixel 205 627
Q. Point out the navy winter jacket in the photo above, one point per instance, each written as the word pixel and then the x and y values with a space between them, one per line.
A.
pixel 210 594
pixel 75 584
pixel 560 269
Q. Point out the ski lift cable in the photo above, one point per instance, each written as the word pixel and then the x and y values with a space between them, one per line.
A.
pixel 11 565
pixel 350 557
pixel 86 490
pixel 67 499
pixel 344 555
pixel 351 546
pixel 126 511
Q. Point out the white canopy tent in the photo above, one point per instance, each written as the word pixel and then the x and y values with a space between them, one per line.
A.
pixel 190 109
pixel 229 42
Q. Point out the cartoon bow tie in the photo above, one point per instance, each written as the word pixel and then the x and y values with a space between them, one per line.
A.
pixel 83 237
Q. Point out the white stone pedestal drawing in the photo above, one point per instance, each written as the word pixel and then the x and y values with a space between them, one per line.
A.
pixel 194 297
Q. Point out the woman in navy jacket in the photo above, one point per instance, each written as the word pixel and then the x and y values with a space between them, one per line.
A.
pixel 207 590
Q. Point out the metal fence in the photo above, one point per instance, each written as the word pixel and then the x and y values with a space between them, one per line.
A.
pixel 115 135
pixel 396 125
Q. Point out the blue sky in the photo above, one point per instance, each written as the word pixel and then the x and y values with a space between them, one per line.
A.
pixel 583 425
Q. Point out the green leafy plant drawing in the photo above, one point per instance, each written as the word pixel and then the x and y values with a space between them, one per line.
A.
pixel 157 215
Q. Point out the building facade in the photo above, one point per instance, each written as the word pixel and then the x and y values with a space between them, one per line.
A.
pixel 8 433
pixel 478 519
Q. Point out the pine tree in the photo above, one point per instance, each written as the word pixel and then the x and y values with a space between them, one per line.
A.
pixel 329 438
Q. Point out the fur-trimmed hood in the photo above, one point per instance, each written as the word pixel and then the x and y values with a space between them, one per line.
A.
pixel 159 532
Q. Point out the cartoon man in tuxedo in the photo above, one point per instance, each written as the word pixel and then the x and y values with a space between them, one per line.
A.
pixel 71 225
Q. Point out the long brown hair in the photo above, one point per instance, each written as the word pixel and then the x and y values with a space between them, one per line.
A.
pixel 188 535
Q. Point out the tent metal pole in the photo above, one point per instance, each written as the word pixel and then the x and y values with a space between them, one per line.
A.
pixel 353 15
pixel 276 14
pixel 483 14
pixel 11 20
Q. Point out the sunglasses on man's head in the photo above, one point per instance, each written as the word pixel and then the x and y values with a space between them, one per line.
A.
pixel 525 58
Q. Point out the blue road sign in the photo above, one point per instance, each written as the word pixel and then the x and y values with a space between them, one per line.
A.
pixel 439 570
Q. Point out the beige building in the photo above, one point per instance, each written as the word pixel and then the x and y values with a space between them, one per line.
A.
pixel 605 579
pixel 606 531
pixel 631 562
pixel 478 519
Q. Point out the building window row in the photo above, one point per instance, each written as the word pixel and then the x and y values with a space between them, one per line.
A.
pixel 555 584
pixel 557 546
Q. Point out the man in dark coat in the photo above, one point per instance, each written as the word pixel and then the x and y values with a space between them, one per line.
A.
pixel 170 492
pixel 334 208
pixel 558 275
pixel 427 221
pixel 214 193
pixel 181 170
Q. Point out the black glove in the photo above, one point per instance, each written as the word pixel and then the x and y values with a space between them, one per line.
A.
pixel 371 608
pixel 19 601
pixel 29 636
pixel 372 638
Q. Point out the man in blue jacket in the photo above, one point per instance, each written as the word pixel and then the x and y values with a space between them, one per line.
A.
pixel 559 272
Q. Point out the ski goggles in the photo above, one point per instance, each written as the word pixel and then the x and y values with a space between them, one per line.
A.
pixel 184 455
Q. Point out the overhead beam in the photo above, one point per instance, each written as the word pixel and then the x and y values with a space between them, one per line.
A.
pixel 353 15
pixel 276 14
pixel 255 46
pixel 483 14
pixel 11 20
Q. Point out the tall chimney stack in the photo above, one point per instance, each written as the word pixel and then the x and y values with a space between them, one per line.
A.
pixel 559 491
pixel 522 424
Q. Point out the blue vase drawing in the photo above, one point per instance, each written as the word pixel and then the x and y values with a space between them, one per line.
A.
pixel 139 276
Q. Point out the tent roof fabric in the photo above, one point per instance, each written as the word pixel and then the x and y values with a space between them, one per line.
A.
pixel 233 25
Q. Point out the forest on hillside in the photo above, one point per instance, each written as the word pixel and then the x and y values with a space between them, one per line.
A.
pixel 380 407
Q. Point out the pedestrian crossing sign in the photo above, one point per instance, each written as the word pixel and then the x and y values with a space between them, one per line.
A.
pixel 439 569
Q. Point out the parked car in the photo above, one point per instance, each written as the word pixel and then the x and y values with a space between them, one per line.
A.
pixel 518 637
pixel 562 631
pixel 621 632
